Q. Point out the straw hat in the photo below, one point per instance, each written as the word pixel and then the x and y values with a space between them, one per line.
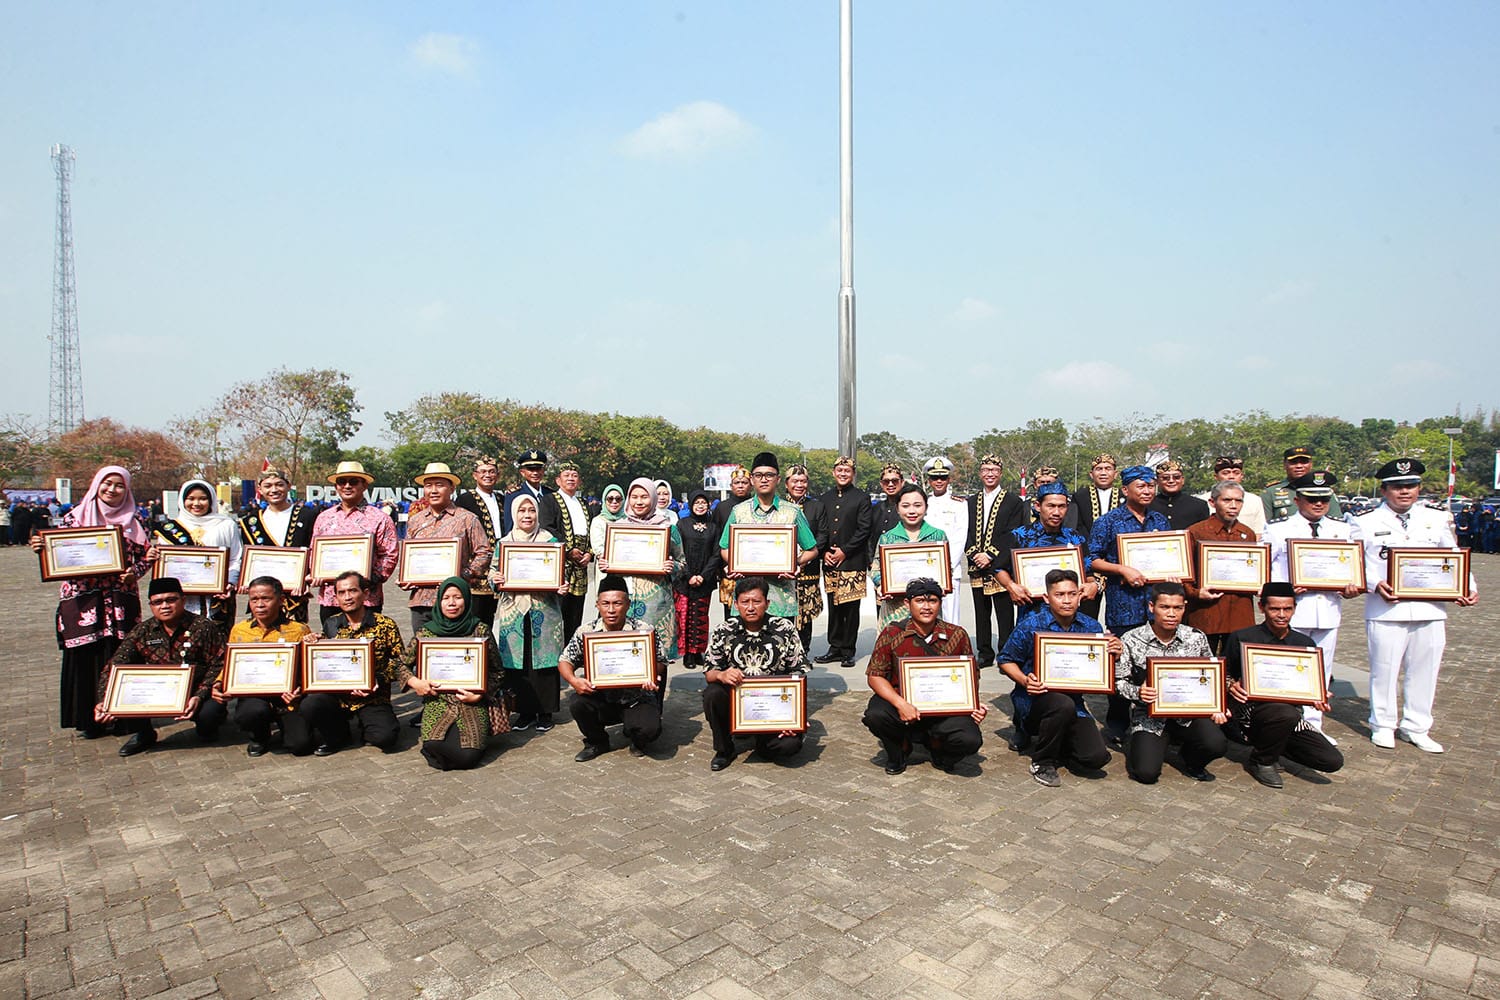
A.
pixel 436 470
pixel 351 469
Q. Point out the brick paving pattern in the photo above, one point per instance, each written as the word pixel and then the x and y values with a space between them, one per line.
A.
pixel 194 871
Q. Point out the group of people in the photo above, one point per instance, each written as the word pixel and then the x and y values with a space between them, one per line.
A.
pixel 535 638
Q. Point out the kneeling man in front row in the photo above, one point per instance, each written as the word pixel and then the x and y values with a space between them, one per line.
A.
pixel 893 719
pixel 593 709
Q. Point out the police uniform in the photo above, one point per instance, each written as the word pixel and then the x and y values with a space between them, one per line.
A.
pixel 548 516
pixel 1408 634
pixel 952 515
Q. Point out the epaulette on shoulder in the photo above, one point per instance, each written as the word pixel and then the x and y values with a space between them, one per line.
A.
pixel 1278 520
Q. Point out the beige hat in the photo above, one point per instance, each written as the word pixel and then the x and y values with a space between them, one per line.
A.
pixel 348 469
pixel 436 470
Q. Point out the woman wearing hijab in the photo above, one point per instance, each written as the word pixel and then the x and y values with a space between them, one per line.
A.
pixel 529 627
pixel 611 509
pixel 455 724
pixel 700 547
pixel 651 596
pixel 95 612
pixel 664 500
pixel 199 521
pixel 911 507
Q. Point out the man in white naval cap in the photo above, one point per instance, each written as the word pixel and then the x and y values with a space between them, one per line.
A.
pixel 952 515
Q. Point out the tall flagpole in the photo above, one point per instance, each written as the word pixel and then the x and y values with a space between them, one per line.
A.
pixel 848 436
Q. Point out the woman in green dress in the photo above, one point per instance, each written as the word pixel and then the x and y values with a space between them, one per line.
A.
pixel 911 507
pixel 455 724
pixel 529 627
pixel 651 595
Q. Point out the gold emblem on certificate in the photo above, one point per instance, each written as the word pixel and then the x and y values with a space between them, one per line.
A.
pixel 531 565
pixel 452 664
pixel 289 565
pixel 68 553
pixel 338 666
pixel 1325 564
pixel 619 659
pixel 427 562
pixel 333 555
pixel 769 705
pixel 1426 574
pixel 1233 567
pixel 1283 673
pixel 762 549
pixel 1029 567
pixel 200 569
pixel 642 551
pixel 1157 555
pixel 144 692
pixel 940 685
pixel 1071 661
pixel 260 668
pixel 907 561
pixel 1186 686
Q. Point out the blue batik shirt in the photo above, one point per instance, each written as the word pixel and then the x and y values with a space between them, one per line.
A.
pixel 1020 649
pixel 1125 606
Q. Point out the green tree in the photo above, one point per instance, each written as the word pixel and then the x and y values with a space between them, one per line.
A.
pixel 289 414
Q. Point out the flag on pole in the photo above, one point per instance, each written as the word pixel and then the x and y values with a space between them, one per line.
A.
pixel 1024 470
pixel 265 465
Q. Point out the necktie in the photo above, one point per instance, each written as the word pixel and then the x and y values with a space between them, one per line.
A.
pixel 1314 526
pixel 1405 520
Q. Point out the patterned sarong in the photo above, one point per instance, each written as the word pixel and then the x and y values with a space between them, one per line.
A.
pixel 845 586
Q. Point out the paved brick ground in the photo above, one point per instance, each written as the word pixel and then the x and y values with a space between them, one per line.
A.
pixel 194 871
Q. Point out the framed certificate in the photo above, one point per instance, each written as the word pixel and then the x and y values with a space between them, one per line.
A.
pixel 452 664
pixel 144 692
pixel 427 562
pixel 1186 687
pixel 1065 661
pixel 1029 567
pixel 333 555
pixel 763 549
pixel 1416 574
pixel 289 565
pixel 338 666
pixel 1325 564
pixel 200 569
pixel 940 685
pixel 1233 567
pixel 260 668
pixel 906 561
pixel 1157 555
pixel 769 705
pixel 73 552
pixel 1283 673
pixel 531 565
pixel 642 551
pixel 619 659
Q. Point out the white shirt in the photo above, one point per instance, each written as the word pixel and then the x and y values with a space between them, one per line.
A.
pixel 276 522
pixel 492 504
pixel 1316 608
pixel 952 515
pixel 1380 529
pixel 576 515
pixel 1252 514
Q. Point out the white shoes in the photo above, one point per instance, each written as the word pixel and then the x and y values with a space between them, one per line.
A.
pixel 1385 739
pixel 1421 741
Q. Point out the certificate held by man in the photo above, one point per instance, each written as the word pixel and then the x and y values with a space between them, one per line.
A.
pixel 73 552
pixel 940 685
pixel 428 562
pixel 260 668
pixel 1283 673
pixel 333 555
pixel 146 692
pixel 1233 567
pixel 1073 662
pixel 635 550
pixel 763 549
pixel 338 665
pixel 904 562
pixel 1319 564
pixel 1428 574
pixel 1186 687
pixel 625 659
pixel 1157 555
pixel 1029 567
pixel 769 705
pixel 287 564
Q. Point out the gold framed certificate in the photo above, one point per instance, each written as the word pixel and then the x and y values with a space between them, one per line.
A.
pixel 1186 686
pixel 904 562
pixel 68 553
pixel 427 562
pixel 1428 574
pixel 287 564
pixel 1157 555
pixel 201 569
pixel 1283 673
pixel 260 669
pixel 769 705
pixel 642 551
pixel 1070 661
pixel 1233 567
pixel 531 565
pixel 137 691
pixel 1325 564
pixel 940 685
pixel 333 555
pixel 762 549
pixel 1029 567
pixel 452 664
pixel 338 666
pixel 619 659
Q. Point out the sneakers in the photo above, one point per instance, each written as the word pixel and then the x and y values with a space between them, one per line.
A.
pixel 1383 738
pixel 544 722
pixel 1045 774
pixel 1420 740
pixel 523 723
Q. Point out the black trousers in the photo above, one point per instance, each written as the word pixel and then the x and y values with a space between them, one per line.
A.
pixel 78 686
pixel 256 716
pixel 988 641
pixel 1117 715
pixel 536 691
pixel 328 721
pixel 209 717
pixel 1216 641
pixel 1059 733
pixel 592 712
pixel 572 612
pixel 949 737
pixel 485 606
pixel 716 705
pixel 1274 734
pixel 1202 742
pixel 843 628
pixel 447 754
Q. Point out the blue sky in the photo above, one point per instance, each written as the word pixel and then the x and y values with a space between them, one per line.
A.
pixel 1080 210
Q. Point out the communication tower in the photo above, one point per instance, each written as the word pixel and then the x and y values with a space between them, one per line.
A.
pixel 65 400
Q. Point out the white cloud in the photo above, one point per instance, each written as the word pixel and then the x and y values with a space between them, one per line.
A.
pixel 455 54
pixel 1288 291
pixel 1088 378
pixel 972 310
pixel 687 132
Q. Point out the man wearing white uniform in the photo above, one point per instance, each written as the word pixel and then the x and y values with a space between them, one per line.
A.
pixel 952 516
pixel 1318 611
pixel 1401 634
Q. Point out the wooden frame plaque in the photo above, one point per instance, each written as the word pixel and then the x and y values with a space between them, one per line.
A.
pixel 338 666
pixel 139 691
pixel 427 562
pixel 940 685
pixel 333 555
pixel 530 565
pixel 763 549
pixel 1427 574
pixel 260 669
pixel 1187 687
pixel 902 562
pixel 453 664
pixel 625 659
pixel 69 553
pixel 1283 673
pixel 1029 567
pixel 636 550
pixel 1233 567
pixel 201 569
pixel 1074 662
pixel 287 564
pixel 774 704
pixel 1157 555
pixel 1325 563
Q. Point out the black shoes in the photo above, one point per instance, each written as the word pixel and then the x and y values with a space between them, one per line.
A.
pixel 589 752
pixel 895 759
pixel 1045 774
pixel 523 723
pixel 544 722
pixel 324 750
pixel 720 762
pixel 1201 774
pixel 637 751
pixel 255 749
pixel 1267 774
pixel 138 743
pixel 828 657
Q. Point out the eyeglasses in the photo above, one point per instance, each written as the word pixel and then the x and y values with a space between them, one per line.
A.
pixel 764 475
pixel 890 482
pixel 348 482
